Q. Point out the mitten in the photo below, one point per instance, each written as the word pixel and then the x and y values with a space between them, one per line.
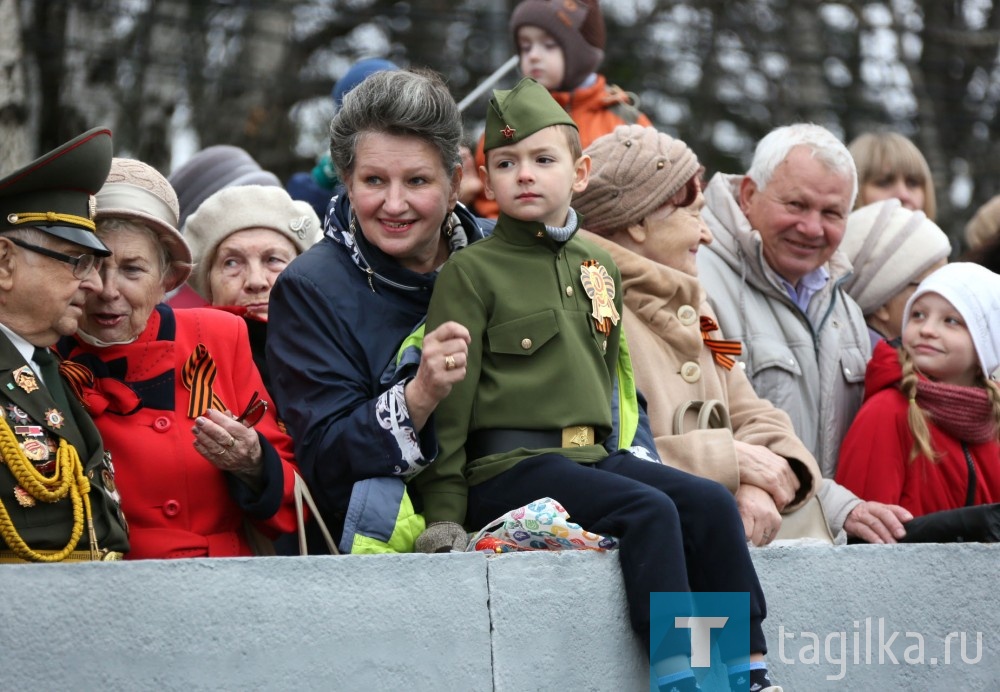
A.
pixel 442 537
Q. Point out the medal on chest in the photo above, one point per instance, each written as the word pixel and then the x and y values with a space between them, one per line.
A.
pixel 25 379
pixel 600 288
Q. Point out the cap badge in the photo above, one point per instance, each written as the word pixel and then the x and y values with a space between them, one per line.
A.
pixel 600 288
pixel 508 132
pixel 92 207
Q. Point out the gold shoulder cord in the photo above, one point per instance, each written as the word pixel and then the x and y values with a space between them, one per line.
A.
pixel 68 479
pixel 49 217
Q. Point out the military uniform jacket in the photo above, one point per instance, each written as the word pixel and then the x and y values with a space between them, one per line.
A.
pixel 537 359
pixel 47 526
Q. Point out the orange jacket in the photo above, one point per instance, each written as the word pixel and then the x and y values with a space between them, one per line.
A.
pixel 596 109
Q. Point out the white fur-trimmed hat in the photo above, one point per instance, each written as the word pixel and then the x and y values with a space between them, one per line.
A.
pixel 242 208
pixel 975 292
pixel 889 246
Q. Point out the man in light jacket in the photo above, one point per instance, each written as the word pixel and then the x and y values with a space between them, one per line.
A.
pixel 775 277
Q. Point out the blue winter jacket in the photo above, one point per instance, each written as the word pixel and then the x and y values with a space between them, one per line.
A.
pixel 338 315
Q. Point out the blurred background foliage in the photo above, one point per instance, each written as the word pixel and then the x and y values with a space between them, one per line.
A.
pixel 171 76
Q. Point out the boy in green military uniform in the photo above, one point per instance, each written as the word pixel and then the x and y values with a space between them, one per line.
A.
pixel 58 501
pixel 530 417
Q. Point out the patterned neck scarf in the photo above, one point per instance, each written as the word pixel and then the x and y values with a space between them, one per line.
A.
pixel 965 413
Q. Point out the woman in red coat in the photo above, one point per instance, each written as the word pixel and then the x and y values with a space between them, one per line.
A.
pixel 175 394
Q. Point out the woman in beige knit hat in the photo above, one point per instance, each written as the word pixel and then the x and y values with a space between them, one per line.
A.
pixel 643 206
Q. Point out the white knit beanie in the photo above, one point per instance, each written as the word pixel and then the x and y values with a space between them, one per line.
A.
pixel 241 208
pixel 889 246
pixel 975 292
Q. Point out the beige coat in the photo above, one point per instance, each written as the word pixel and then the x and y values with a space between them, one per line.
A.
pixel 672 365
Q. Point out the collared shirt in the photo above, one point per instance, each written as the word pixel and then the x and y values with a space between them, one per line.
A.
pixel 808 286
pixel 25 348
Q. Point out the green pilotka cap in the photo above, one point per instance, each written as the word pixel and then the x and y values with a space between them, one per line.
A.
pixel 521 112
pixel 55 193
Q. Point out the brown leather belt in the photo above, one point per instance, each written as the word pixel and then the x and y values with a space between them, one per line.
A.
pixel 483 443
pixel 8 557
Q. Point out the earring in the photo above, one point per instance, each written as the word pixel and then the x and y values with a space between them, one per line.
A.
pixel 448 226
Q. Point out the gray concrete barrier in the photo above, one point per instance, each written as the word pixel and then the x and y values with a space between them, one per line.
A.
pixel 847 618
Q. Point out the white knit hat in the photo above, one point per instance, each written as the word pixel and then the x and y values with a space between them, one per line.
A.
pixel 241 208
pixel 889 246
pixel 975 292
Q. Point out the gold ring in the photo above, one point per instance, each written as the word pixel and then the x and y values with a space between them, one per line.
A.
pixel 449 362
pixel 231 443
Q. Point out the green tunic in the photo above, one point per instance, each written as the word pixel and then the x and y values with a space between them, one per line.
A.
pixel 537 359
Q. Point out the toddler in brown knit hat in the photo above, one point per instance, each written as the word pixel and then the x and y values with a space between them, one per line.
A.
pixel 561 46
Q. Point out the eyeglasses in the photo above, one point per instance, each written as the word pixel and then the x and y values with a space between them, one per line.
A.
pixel 82 264
pixel 254 411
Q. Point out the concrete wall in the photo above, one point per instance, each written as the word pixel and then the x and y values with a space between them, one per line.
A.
pixel 468 622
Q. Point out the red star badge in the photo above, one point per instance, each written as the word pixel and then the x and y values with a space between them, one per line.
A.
pixel 508 132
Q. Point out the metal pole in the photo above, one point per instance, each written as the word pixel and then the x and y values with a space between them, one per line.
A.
pixel 488 82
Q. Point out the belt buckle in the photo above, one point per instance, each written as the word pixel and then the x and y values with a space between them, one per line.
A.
pixel 577 436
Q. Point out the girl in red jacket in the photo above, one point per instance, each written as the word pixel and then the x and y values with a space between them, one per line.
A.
pixel 926 437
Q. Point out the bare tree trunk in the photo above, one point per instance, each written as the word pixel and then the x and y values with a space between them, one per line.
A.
pixel 15 139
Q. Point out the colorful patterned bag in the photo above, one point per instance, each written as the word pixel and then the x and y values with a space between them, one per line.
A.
pixel 539 525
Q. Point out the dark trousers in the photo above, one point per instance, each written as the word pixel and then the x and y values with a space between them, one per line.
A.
pixel 678 532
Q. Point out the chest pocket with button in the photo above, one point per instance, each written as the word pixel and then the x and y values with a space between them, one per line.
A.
pixel 523 336
pixel 853 364
pixel 772 368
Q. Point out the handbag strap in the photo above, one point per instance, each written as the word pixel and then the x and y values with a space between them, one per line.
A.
pixel 302 494
pixel 970 492
pixel 712 414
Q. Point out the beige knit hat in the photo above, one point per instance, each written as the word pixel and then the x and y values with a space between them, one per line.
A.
pixel 241 208
pixel 635 171
pixel 136 191
pixel 985 225
pixel 889 247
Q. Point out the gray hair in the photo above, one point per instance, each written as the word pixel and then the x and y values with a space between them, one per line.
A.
pixel 405 103
pixel 110 225
pixel 822 144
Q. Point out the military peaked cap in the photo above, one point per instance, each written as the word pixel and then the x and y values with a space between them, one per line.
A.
pixel 55 192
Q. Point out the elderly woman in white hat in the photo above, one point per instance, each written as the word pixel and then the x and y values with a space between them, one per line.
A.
pixel 241 238
pixel 892 249
pixel 174 393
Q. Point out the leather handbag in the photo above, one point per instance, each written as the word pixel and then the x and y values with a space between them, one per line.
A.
pixel 808 521
pixel 975 524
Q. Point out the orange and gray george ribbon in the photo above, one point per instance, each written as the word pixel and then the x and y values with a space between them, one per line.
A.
pixel 99 394
pixel 199 375
pixel 720 348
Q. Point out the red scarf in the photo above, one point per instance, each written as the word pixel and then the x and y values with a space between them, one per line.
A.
pixel 965 413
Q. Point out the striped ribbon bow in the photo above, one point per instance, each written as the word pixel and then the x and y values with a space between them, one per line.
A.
pixel 720 348
pixel 199 375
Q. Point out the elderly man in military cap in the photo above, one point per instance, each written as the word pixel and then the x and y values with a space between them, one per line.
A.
pixel 57 494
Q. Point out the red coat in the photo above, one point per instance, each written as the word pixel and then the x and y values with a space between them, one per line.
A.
pixel 592 109
pixel 178 504
pixel 874 459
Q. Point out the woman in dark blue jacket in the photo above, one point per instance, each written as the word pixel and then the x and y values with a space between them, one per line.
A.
pixel 340 312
